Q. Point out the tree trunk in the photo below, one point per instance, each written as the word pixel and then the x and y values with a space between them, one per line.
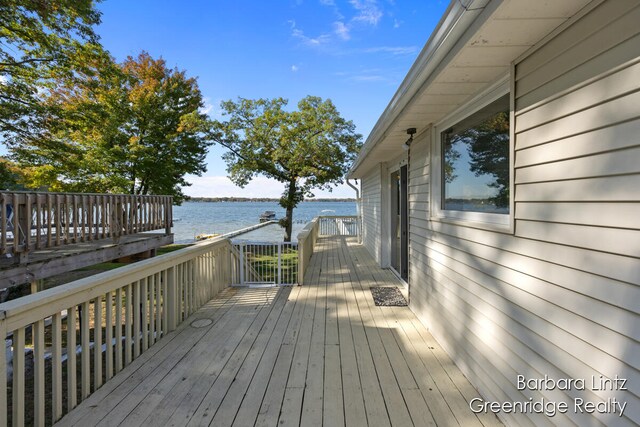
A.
pixel 289 202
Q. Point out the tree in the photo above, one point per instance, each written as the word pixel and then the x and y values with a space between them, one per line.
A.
pixel 307 149
pixel 135 127
pixel 489 155
pixel 40 41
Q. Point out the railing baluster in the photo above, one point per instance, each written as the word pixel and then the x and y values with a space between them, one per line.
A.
pixel 3 370
pixel 18 377
pixel 3 223
pixel 38 222
pixel 152 308
pixel 162 315
pixel 128 340
pixel 75 218
pixel 85 352
pixel 27 217
pixel 171 303
pixel 118 334
pixel 97 343
pixel 38 373
pixel 72 393
pixel 56 367
pixel 108 336
pixel 67 219
pixel 136 319
pixel 144 291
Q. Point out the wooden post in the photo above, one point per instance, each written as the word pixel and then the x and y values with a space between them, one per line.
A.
pixel 38 373
pixel 172 301
pixel 3 216
pixel 18 377
pixel 56 367
pixel 3 369
pixel 37 285
pixel 301 266
pixel 167 214
pixel 72 391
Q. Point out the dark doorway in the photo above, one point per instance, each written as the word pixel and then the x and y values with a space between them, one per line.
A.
pixel 400 223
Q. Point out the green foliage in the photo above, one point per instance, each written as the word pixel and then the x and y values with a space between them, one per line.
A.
pixel 40 42
pixel 10 175
pixel 487 144
pixel 309 148
pixel 132 128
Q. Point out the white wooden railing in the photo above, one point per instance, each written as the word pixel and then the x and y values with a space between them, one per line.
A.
pixel 123 312
pixel 264 263
pixel 37 220
pixel 338 226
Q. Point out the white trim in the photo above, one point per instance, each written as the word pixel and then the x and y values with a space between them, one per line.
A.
pixel 492 221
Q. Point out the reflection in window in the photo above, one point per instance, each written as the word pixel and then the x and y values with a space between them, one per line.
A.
pixel 476 161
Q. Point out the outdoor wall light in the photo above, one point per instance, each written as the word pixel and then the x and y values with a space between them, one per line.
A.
pixel 410 132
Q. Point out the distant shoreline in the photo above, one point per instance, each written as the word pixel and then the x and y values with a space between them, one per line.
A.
pixel 260 199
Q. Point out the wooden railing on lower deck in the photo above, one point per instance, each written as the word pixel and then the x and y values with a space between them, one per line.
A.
pixel 36 220
pixel 106 320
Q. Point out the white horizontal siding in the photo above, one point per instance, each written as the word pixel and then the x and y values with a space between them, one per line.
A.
pixel 418 197
pixel 560 296
pixel 371 213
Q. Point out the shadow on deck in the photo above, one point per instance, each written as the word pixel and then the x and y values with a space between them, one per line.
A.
pixel 318 354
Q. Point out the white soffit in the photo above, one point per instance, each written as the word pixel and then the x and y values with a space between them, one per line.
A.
pixel 499 32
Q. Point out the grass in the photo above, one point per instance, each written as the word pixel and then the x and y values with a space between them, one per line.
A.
pixel 265 264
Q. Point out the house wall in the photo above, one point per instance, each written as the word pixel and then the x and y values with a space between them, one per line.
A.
pixel 372 212
pixel 561 295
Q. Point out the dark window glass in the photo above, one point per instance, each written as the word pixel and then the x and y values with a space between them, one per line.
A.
pixel 475 169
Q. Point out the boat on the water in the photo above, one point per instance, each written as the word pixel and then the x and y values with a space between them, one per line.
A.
pixel 267 216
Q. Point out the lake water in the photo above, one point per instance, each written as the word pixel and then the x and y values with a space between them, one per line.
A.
pixel 193 218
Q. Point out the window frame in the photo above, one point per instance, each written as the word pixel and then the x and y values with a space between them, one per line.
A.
pixel 491 221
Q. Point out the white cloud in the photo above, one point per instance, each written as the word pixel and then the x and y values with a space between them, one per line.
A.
pixel 327 2
pixel 393 50
pixel 396 23
pixel 3 80
pixel 294 68
pixel 368 11
pixel 208 106
pixel 310 41
pixel 341 30
pixel 221 186
pixel 368 78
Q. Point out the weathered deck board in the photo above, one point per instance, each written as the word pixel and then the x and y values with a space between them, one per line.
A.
pixel 320 354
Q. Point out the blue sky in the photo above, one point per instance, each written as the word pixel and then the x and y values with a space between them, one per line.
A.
pixel 355 52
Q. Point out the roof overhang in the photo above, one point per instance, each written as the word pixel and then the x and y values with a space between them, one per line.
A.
pixel 472 47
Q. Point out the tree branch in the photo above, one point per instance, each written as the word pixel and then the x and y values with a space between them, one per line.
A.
pixel 25 61
pixel 264 165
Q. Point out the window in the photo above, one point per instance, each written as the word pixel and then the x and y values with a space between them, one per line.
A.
pixel 472 180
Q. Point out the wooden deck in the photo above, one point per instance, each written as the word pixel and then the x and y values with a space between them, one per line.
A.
pixel 48 262
pixel 319 354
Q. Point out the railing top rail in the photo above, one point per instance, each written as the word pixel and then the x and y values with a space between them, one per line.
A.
pixel 53 193
pixel 28 309
pixel 307 228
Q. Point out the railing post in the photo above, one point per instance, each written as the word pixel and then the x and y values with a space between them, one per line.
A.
pixel 3 371
pixel 280 263
pixel 167 215
pixel 172 304
pixel 241 264
pixel 301 257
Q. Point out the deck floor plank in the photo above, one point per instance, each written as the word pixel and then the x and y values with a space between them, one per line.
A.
pixel 318 354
